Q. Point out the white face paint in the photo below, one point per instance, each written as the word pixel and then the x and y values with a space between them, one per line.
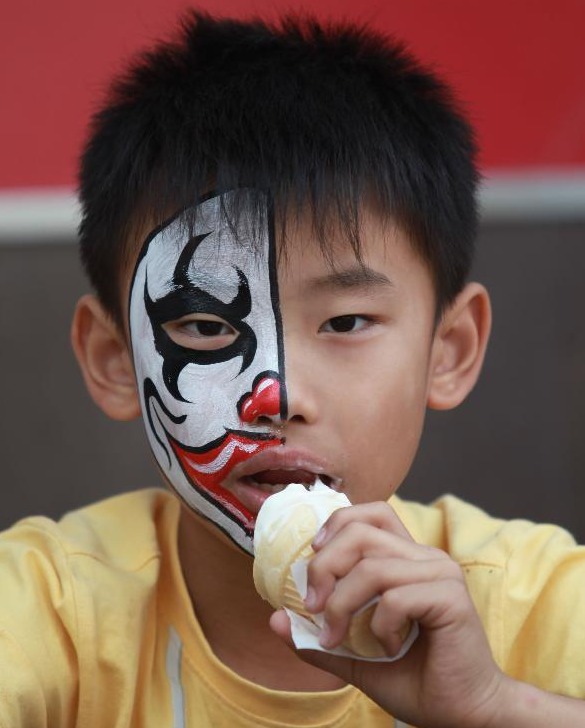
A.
pixel 200 404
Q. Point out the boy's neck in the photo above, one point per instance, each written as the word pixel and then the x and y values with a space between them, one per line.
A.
pixel 233 617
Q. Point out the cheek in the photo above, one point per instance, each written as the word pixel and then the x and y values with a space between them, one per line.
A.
pixel 385 385
pixel 382 420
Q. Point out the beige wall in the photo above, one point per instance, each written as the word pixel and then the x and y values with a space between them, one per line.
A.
pixel 515 447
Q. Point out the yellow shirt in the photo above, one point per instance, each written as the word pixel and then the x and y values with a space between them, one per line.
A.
pixel 97 629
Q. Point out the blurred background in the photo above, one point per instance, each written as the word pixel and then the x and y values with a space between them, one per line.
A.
pixel 514 447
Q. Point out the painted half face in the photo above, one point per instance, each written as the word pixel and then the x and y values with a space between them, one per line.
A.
pixel 206 338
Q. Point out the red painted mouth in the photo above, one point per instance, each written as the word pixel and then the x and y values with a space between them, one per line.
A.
pixel 207 470
pixel 268 472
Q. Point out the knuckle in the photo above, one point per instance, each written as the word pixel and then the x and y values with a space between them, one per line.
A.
pixel 381 505
pixel 369 569
pixel 338 518
pixel 334 611
pixel 356 530
pixel 456 593
pixel 458 586
pixel 436 553
pixel 453 571
pixel 315 569
pixel 388 600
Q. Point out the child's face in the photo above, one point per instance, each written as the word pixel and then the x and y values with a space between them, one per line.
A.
pixel 253 374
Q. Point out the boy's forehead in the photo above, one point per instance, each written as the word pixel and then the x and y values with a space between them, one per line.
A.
pixel 235 241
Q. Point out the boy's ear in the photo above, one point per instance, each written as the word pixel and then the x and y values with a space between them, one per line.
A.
pixel 459 347
pixel 104 358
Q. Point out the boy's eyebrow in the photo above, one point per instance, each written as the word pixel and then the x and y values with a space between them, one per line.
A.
pixel 358 276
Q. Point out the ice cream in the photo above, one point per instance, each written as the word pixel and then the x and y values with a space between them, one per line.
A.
pixel 285 527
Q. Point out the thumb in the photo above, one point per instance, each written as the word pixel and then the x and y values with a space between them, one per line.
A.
pixel 343 667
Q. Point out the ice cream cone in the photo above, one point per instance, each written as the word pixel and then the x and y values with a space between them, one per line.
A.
pixel 285 540
pixel 285 528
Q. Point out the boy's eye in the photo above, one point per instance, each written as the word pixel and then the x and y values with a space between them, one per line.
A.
pixel 207 328
pixel 349 323
pixel 204 331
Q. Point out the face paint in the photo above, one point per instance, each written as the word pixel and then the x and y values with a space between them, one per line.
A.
pixel 202 404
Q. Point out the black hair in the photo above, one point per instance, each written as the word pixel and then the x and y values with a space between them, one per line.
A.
pixel 323 116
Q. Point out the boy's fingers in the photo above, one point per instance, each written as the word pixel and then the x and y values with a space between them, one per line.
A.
pixel 378 514
pixel 374 577
pixel 356 542
pixel 280 625
pixel 437 606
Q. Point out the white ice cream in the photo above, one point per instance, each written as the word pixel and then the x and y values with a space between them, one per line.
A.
pixel 285 526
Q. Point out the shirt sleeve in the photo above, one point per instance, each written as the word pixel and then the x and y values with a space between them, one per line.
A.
pixel 544 609
pixel 38 681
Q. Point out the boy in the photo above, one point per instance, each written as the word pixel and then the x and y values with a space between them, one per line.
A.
pixel 278 223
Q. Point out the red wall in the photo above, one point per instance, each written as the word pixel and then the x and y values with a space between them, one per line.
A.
pixel 519 65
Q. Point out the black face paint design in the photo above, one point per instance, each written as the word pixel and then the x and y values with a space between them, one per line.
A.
pixel 150 391
pixel 203 407
pixel 187 298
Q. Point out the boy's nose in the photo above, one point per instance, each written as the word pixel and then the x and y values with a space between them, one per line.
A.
pixel 306 378
pixel 263 401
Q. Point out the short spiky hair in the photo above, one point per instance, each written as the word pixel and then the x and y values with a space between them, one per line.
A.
pixel 322 116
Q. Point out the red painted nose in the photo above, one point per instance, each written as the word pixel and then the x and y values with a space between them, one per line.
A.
pixel 264 401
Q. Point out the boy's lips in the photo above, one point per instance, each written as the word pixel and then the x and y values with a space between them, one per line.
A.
pixel 272 470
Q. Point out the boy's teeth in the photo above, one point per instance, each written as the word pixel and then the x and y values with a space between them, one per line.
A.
pixel 275 480
pixel 278 479
pixel 271 488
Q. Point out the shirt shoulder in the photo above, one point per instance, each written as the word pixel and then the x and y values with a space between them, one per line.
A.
pixel 71 588
pixel 99 528
pixel 527 581
pixel 124 530
pixel 470 535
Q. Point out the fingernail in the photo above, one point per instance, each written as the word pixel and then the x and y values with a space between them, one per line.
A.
pixel 320 537
pixel 311 598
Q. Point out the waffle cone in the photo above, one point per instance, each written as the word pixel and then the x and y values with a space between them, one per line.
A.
pixel 272 562
pixel 360 638
pixel 289 595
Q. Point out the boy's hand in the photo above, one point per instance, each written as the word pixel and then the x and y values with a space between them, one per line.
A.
pixel 448 678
